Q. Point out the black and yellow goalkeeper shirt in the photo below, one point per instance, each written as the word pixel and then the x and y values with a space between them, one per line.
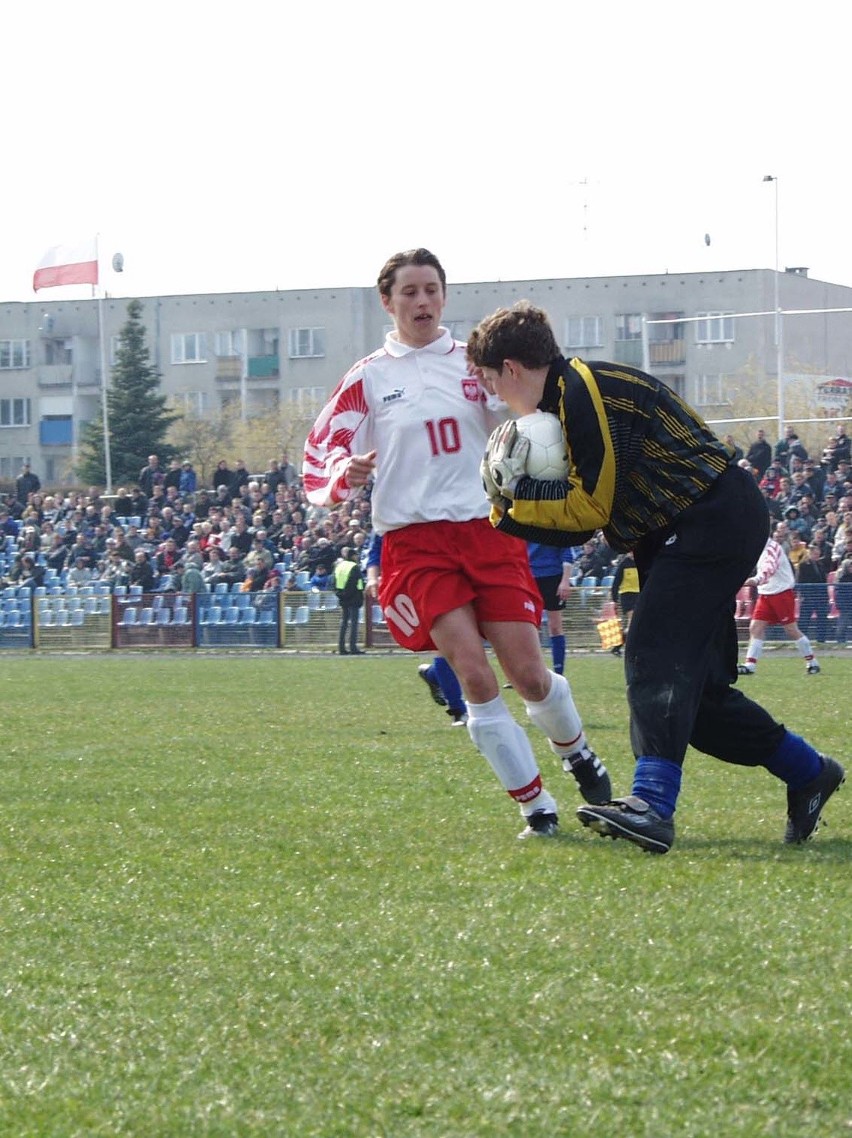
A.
pixel 638 456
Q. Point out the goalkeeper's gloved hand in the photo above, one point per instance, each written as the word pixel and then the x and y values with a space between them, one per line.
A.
pixel 504 462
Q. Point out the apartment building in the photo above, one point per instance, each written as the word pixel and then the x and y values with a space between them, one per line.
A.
pixel 265 350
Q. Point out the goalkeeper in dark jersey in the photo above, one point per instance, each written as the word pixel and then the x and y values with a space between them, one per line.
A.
pixel 645 469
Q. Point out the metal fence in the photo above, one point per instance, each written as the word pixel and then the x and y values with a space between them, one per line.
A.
pixel 93 618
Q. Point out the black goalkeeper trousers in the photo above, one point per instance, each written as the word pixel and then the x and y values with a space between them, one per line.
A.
pixel 680 658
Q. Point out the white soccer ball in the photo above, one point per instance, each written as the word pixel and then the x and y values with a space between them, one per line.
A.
pixel 547 458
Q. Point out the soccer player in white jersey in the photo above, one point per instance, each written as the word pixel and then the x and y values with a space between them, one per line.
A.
pixel 413 417
pixel 776 604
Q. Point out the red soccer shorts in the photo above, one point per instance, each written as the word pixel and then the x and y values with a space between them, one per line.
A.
pixel 434 567
pixel 775 608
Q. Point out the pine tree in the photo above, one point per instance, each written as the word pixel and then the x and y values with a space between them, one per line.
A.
pixel 138 418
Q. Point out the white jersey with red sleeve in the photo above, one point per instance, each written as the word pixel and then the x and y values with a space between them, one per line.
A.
pixel 774 573
pixel 427 419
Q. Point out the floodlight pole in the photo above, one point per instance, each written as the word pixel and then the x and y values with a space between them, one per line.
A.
pixel 779 326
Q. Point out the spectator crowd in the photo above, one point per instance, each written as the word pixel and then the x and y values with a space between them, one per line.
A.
pixel 166 533
pixel 258 531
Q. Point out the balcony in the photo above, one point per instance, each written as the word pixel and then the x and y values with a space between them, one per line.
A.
pixel 629 352
pixel 667 352
pixel 228 368
pixel 264 367
pixel 54 375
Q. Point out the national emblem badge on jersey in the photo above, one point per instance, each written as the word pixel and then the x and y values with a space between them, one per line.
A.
pixel 472 390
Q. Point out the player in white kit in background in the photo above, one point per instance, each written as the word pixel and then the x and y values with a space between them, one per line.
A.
pixel 412 416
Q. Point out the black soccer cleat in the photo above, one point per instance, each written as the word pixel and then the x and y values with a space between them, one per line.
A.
pixel 813 669
pixel 632 818
pixel 540 824
pixel 745 669
pixel 434 689
pixel 591 775
pixel 804 806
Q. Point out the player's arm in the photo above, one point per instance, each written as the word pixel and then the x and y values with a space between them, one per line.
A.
pixel 338 459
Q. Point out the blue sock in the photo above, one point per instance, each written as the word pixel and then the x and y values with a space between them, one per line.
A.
pixel 658 782
pixel 557 651
pixel 447 682
pixel 795 762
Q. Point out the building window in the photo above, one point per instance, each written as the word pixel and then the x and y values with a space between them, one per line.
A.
pixel 584 332
pixel 14 354
pixel 306 343
pixel 15 412
pixel 628 326
pixel 194 404
pixel 709 390
pixel 11 467
pixel 229 345
pixel 188 348
pixel 714 328
pixel 306 396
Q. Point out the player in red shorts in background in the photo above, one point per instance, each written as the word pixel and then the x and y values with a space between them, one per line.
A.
pixel 412 416
pixel 776 604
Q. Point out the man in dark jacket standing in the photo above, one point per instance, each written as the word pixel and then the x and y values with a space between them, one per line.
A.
pixel 349 589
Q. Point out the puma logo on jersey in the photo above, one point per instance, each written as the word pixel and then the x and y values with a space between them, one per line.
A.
pixel 397 393
pixel 529 605
pixel 671 540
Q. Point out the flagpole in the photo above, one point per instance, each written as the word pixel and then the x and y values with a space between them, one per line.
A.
pixel 104 402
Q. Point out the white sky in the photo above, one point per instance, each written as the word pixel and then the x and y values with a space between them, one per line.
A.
pixel 287 144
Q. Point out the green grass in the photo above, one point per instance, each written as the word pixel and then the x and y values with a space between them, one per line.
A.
pixel 266 895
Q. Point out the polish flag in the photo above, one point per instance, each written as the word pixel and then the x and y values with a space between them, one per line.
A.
pixel 68 265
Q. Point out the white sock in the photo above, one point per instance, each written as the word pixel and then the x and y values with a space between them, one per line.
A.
pixel 803 647
pixel 505 745
pixel 755 650
pixel 557 716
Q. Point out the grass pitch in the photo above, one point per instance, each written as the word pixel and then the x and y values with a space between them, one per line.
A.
pixel 269 895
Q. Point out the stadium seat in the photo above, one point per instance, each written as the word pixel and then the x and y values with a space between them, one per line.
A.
pixel 221 588
pixel 63 617
pixel 232 614
pixel 303 614
pixel 147 616
pixel 378 615
pixel 248 615
pixel 164 615
pixel 78 616
pixel 47 618
pixel 314 600
pixel 302 578
pixel 181 615
pixel 119 591
pixel 129 616
pixel 134 590
pixel 288 615
pixel 90 604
